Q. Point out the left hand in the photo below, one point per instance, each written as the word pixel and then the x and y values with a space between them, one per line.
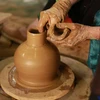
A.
pixel 77 34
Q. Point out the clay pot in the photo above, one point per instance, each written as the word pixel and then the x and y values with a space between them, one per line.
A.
pixel 36 61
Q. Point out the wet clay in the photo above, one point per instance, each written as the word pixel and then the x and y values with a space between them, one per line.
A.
pixel 61 87
pixel 63 74
pixel 78 68
pixel 36 61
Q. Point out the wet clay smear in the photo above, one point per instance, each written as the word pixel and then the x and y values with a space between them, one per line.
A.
pixel 61 79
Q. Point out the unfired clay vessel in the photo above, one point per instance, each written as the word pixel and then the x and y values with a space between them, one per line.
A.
pixel 36 61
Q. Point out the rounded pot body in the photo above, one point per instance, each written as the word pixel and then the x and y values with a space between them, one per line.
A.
pixel 36 61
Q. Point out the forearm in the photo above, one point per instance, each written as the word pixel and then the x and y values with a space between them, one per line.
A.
pixel 63 6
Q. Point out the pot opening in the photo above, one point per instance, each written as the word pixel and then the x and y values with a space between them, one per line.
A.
pixel 34 31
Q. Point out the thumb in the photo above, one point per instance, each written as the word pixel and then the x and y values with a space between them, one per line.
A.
pixel 44 18
pixel 66 25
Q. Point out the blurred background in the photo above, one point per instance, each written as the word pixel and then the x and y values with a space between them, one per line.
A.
pixel 23 13
pixel 23 8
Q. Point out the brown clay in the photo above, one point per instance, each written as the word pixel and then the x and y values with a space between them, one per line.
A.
pixel 57 90
pixel 36 61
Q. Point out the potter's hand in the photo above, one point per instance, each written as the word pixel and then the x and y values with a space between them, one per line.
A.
pixel 53 15
pixel 77 34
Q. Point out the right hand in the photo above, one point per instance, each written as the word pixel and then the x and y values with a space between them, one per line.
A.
pixel 77 34
pixel 50 17
pixel 53 15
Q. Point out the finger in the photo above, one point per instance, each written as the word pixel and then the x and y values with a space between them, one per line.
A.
pixel 44 18
pixel 66 25
pixel 50 39
pixel 50 31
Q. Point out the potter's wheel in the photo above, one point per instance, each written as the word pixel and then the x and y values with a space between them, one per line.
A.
pixel 59 88
pixel 81 90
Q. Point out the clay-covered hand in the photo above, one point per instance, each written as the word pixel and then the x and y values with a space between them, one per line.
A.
pixel 78 33
pixel 53 15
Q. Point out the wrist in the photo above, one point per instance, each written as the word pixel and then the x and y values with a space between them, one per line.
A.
pixel 63 7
